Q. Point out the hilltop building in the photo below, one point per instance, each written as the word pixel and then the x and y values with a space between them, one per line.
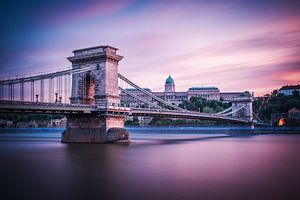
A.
pixel 170 95
pixel 289 89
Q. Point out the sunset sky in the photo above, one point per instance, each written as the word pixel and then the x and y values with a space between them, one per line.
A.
pixel 235 45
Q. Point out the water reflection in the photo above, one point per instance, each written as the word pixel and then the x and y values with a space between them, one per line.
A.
pixel 155 166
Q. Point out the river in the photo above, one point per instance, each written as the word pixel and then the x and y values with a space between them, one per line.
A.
pixel 159 163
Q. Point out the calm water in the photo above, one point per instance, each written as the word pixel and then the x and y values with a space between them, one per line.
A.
pixel 160 163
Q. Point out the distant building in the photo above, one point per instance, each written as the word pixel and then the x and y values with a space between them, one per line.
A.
pixel 229 96
pixel 289 89
pixel 294 113
pixel 170 95
pixel 208 93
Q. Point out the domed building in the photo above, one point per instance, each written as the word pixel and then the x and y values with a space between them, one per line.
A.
pixel 169 94
pixel 170 85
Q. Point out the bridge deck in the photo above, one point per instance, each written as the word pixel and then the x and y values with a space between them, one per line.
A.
pixel 187 115
pixel 35 107
pixel 38 107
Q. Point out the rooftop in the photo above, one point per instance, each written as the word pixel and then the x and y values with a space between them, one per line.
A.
pixel 294 110
pixel 202 88
pixel 96 47
pixel 235 92
pixel 170 80
pixel 290 87
pixel 133 89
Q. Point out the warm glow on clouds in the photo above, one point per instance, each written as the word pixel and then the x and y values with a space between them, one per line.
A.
pixel 291 77
pixel 236 46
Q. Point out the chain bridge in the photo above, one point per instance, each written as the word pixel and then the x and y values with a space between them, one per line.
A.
pixel 88 94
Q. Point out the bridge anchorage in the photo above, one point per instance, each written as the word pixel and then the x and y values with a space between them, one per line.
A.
pixel 95 112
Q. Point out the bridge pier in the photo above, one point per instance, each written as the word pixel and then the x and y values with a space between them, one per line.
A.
pixel 97 87
pixel 90 128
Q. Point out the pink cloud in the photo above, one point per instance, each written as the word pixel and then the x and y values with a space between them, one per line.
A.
pixel 207 43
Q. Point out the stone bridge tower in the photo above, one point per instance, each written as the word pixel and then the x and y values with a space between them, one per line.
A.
pixel 246 112
pixel 98 86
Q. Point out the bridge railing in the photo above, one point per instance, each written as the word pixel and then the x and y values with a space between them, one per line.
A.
pixel 28 103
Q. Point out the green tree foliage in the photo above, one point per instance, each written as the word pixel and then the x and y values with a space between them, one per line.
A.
pixel 207 109
pixel 276 104
pixel 296 93
pixel 203 105
pixel 161 122
pixel 134 121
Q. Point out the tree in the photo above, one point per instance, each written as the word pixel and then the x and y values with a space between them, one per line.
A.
pixel 207 109
pixel 295 93
pixel 198 104
pixel 274 93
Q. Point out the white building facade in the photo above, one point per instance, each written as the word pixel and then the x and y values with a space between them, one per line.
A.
pixel 289 89
pixel 170 95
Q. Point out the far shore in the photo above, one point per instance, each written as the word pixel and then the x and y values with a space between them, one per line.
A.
pixel 189 129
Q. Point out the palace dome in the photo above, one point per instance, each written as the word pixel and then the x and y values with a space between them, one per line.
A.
pixel 170 80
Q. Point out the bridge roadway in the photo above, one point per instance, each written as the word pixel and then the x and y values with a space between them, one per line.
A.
pixel 184 115
pixel 60 108
pixel 56 108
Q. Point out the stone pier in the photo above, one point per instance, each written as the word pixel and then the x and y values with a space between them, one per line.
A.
pixel 91 128
pixel 98 87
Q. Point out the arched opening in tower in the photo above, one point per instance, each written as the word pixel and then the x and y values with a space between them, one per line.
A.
pixel 90 89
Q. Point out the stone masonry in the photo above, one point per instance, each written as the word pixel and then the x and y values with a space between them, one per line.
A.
pixel 96 87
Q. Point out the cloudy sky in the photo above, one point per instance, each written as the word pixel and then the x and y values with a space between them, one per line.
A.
pixel 235 45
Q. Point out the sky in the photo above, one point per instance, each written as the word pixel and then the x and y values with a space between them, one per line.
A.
pixel 234 45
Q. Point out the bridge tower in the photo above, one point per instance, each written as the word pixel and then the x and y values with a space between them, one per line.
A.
pixel 98 86
pixel 246 112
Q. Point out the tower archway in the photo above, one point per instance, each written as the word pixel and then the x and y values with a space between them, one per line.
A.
pixel 87 89
pixel 90 89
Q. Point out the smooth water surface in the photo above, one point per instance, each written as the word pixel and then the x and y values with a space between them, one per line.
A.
pixel 161 163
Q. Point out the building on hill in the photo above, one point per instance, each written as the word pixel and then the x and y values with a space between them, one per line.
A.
pixel 170 95
pixel 294 113
pixel 229 96
pixel 170 85
pixel 289 89
pixel 208 93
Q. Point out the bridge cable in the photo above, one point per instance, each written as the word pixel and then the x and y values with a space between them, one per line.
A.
pixel 42 90
pixel 50 82
pixel 1 91
pixel 234 111
pixel 32 91
pixel 258 118
pixel 224 111
pixel 22 90
pixel 150 94
pixel 139 98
